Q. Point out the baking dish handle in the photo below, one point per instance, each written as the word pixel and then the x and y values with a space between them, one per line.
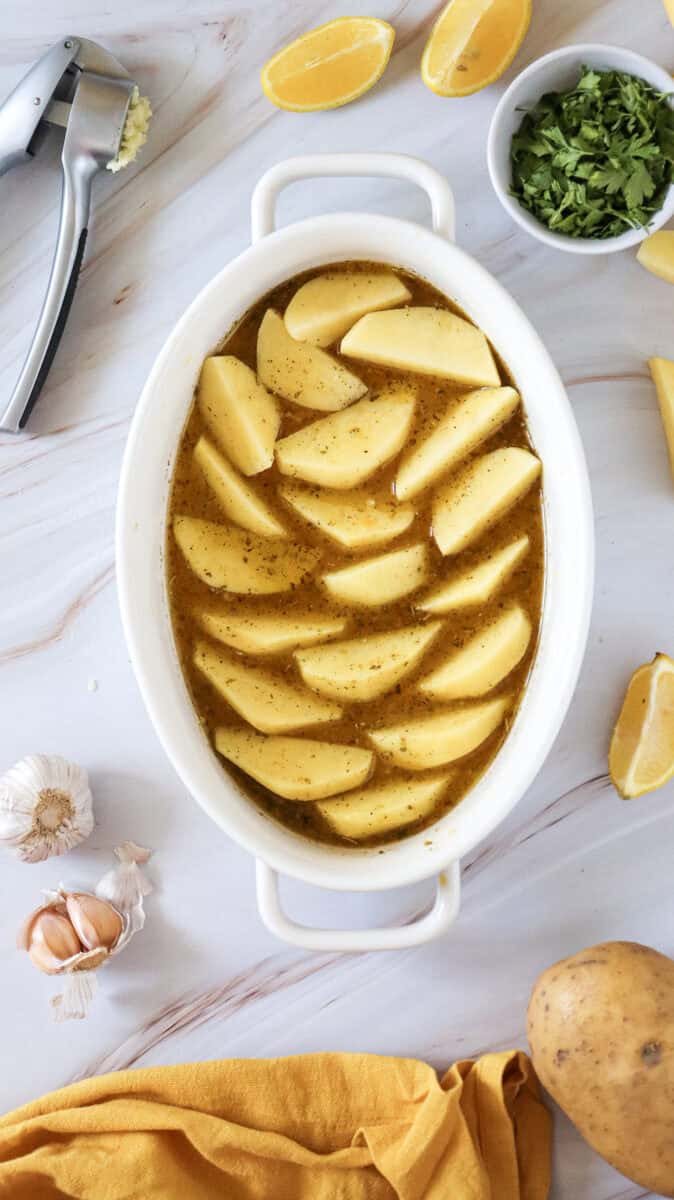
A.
pixel 393 937
pixel 313 166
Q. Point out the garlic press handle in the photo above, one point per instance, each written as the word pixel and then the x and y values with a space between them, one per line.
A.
pixel 78 172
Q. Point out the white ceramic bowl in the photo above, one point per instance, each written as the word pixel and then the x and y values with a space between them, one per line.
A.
pixel 556 72
pixel 141 531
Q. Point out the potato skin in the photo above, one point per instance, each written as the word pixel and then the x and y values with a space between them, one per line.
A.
pixel 601 1032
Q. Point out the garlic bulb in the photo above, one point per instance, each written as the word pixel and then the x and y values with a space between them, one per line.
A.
pixel 45 807
pixel 73 933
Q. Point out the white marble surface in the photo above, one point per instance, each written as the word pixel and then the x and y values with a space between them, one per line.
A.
pixel 573 865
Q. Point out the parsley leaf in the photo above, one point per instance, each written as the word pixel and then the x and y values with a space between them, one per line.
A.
pixel 597 160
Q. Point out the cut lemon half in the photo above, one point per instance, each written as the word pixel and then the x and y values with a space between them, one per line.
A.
pixel 641 757
pixel 330 65
pixel 472 43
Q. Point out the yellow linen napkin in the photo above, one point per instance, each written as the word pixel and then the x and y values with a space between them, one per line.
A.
pixel 315 1127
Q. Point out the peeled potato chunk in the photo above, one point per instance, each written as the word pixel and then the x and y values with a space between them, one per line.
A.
pixel 476 584
pixel 263 698
pixel 384 806
pixel 353 519
pixel 343 450
pixel 256 632
pixel 486 658
pixel 230 558
pixel 464 426
pixel 432 741
pixel 430 341
pixel 325 307
pixel 238 412
pixel 656 254
pixel 662 371
pixel 380 580
pixel 238 500
pixel 296 768
pixel 470 503
pixel 302 373
pixel 366 667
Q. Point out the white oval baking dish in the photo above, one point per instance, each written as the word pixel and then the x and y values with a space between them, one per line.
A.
pixel 275 256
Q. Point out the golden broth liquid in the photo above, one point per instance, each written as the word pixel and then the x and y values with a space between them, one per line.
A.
pixel 190 495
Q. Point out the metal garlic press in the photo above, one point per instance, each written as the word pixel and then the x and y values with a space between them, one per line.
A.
pixel 78 86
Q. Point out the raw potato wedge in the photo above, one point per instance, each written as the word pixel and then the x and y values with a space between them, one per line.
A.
pixel 662 371
pixel 302 373
pixel 475 500
pixel 381 580
pixel 464 426
pixel 238 500
pixel 230 558
pixel 381 807
pixel 325 307
pixel 656 254
pixel 296 768
pixel 238 412
pixel 476 584
pixel 345 449
pixel 263 698
pixel 430 341
pixel 487 658
pixel 432 741
pixel 257 632
pixel 354 519
pixel 366 667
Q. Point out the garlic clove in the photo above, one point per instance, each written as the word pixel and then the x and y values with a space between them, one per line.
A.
pixel 45 807
pixel 51 941
pixel 96 922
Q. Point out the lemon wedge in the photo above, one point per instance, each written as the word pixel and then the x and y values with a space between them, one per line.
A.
pixel 472 43
pixel 330 65
pixel 641 757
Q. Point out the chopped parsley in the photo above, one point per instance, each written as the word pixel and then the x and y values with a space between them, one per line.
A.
pixel 597 160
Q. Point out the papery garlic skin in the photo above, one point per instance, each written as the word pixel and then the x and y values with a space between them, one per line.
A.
pixel 95 921
pixel 45 807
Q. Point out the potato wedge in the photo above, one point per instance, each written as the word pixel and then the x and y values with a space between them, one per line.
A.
pixel 662 371
pixel 433 741
pixel 345 449
pixel 382 807
pixel 354 520
pixel 463 427
pixel 296 768
pixel 256 632
pixel 486 658
pixel 238 499
pixel 366 667
pixel 325 307
pixel 478 583
pixel 476 499
pixel 263 698
pixel 238 412
pixel 656 254
pixel 381 580
pixel 430 341
pixel 302 373
pixel 241 562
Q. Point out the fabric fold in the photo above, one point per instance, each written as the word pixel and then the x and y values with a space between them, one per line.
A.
pixel 320 1127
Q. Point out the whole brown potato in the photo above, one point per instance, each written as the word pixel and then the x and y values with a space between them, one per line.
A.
pixel 601 1032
